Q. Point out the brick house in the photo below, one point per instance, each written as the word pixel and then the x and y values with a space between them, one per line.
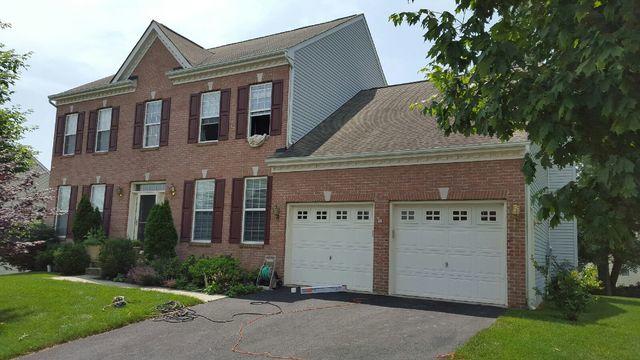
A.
pixel 293 145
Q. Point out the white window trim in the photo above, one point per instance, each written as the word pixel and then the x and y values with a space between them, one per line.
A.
pixel 250 111
pixel 245 209
pixel 104 193
pixel 64 137
pixel 193 216
pixel 144 125
pixel 60 212
pixel 200 121
pixel 95 147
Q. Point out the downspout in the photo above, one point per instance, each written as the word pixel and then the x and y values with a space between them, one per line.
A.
pixel 52 103
pixel 290 57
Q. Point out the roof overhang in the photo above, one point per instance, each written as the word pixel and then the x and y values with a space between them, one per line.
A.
pixel 469 153
pixel 118 88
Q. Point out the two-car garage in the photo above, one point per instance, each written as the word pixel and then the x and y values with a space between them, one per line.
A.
pixel 452 250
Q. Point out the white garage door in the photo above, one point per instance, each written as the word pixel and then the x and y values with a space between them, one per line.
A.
pixel 454 251
pixel 330 244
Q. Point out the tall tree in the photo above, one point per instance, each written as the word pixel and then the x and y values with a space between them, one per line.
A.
pixel 564 71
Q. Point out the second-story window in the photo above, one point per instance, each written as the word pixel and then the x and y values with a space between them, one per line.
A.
pixel 103 130
pixel 152 112
pixel 70 129
pixel 259 109
pixel 209 116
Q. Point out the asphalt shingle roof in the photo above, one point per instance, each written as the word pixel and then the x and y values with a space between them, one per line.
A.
pixel 243 50
pixel 379 120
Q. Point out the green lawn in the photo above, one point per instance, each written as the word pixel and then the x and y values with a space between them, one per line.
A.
pixel 37 312
pixel 610 330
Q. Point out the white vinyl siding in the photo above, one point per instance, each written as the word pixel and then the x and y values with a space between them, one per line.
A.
pixel 260 109
pixel 563 238
pixel 103 130
pixel 209 116
pixel 255 209
pixel 153 111
pixel 330 71
pixel 62 210
pixel 203 210
pixel 70 130
pixel 97 196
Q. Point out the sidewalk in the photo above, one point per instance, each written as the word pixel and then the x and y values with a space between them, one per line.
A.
pixel 91 280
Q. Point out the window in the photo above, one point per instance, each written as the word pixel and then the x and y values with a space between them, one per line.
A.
pixel 209 116
pixel 432 215
pixel 460 215
pixel 153 110
pixel 302 214
pixel 62 210
pixel 97 196
pixel 259 109
pixel 151 187
pixel 255 210
pixel 407 215
pixel 341 215
pixel 488 216
pixel 203 210
pixel 321 215
pixel 362 215
pixel 103 130
pixel 70 129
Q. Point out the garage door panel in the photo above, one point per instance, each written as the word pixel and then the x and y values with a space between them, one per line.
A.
pixel 461 256
pixel 333 245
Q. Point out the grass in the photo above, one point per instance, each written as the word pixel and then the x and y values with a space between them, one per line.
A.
pixel 37 311
pixel 609 330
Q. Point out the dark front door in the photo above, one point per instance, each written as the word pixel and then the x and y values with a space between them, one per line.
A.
pixel 146 203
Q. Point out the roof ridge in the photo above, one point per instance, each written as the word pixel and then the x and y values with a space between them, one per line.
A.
pixel 284 32
pixel 180 35
pixel 399 84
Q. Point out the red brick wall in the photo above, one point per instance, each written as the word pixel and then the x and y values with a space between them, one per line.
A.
pixel 500 180
pixel 178 161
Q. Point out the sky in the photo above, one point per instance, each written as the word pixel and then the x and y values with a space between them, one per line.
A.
pixel 74 42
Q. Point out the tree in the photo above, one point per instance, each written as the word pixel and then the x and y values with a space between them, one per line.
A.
pixel 87 218
pixel 160 236
pixel 564 72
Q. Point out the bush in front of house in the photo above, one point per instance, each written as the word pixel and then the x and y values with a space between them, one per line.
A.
pixel 71 259
pixel 160 236
pixel 569 289
pixel 221 275
pixel 117 256
pixel 86 219
pixel 95 237
pixel 143 275
pixel 24 242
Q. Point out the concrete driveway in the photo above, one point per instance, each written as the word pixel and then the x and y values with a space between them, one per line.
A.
pixel 358 327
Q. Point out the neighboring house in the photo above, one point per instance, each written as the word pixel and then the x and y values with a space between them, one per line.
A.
pixel 293 145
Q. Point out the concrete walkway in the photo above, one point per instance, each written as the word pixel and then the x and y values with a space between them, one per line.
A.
pixel 91 280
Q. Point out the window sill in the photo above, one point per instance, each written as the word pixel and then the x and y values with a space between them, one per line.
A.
pixel 207 143
pixel 67 155
pixel 251 246
pixel 100 153
pixel 200 244
pixel 150 148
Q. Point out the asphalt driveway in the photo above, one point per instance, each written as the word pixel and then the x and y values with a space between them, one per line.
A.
pixel 346 326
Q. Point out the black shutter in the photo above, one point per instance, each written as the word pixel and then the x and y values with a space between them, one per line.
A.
pixel 194 118
pixel 276 107
pixel 225 110
pixel 187 210
pixel 59 136
pixel 267 217
pixel 218 210
pixel 79 132
pixel 242 112
pixel 164 122
pixel 106 207
pixel 237 197
pixel 91 131
pixel 138 126
pixel 113 133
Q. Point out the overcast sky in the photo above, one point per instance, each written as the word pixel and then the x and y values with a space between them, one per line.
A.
pixel 74 42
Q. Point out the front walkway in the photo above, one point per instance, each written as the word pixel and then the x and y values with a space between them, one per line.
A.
pixel 92 280
pixel 325 326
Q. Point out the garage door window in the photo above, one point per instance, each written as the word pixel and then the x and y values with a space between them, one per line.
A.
pixel 342 215
pixel 407 215
pixel 432 215
pixel 302 215
pixel 460 215
pixel 255 209
pixel 488 216
pixel 362 215
pixel 321 215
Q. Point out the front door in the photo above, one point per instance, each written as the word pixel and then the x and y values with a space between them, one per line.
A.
pixel 145 202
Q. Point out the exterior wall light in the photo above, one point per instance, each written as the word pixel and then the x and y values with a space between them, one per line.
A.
pixel 276 212
pixel 119 191
pixel 515 210
pixel 172 190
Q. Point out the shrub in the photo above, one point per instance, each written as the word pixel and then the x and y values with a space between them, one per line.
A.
pixel 223 271
pixel 39 231
pixel 569 289
pixel 116 257
pixel 86 219
pixel 24 242
pixel 167 268
pixel 44 258
pixel 143 275
pixel 95 237
pixel 242 289
pixel 71 259
pixel 160 236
